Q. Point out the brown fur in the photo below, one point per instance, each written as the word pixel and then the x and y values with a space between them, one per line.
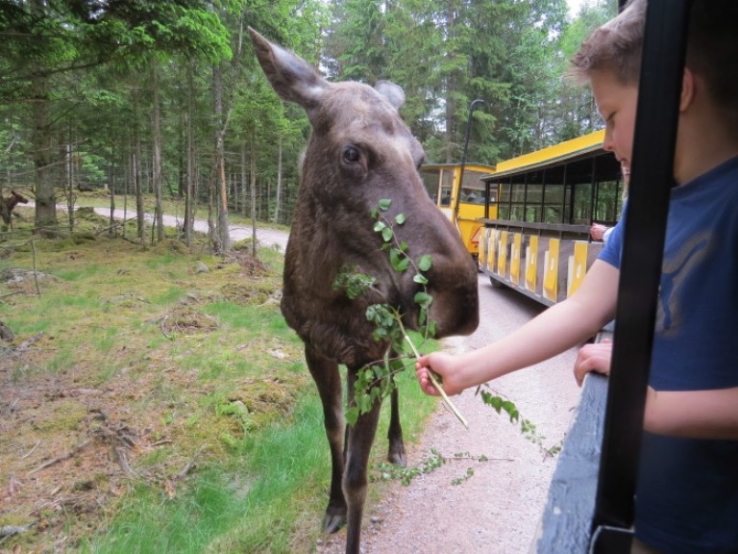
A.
pixel 360 152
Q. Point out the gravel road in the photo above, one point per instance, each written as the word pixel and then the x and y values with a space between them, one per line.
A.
pixel 267 237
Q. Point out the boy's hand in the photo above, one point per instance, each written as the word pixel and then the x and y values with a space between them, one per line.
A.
pixel 597 231
pixel 444 366
pixel 593 357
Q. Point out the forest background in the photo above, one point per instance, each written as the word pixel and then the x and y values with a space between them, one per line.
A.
pixel 165 96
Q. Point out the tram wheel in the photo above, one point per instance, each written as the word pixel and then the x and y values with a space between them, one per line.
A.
pixel 496 284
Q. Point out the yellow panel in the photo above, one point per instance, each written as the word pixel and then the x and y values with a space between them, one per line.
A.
pixel 515 258
pixel 492 249
pixel 531 264
pixel 577 266
pixel 502 254
pixel 482 259
pixel 551 271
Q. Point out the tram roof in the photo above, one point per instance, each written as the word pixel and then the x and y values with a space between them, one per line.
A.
pixel 568 150
pixel 468 166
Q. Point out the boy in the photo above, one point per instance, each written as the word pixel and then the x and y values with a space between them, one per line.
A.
pixel 687 497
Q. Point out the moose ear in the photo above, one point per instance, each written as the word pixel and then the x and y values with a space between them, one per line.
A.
pixel 292 78
pixel 392 92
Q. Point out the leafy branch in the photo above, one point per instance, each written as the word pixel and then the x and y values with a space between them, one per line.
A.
pixel 527 427
pixel 385 471
pixel 376 381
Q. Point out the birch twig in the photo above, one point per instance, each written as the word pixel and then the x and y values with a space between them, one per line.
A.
pixel 439 387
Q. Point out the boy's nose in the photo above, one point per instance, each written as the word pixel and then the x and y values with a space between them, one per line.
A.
pixel 607 143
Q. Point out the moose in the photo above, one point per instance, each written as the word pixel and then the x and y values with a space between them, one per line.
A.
pixel 7 205
pixel 359 153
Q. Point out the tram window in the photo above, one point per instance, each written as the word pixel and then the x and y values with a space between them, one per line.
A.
pixel 533 214
pixel 514 196
pixel 472 196
pixel 553 202
pixel 430 181
pixel 504 193
pixel 609 201
pixel 582 204
pixel 447 182
pixel 535 194
pixel 516 213
pixel 518 193
pixel 503 198
pixel 553 215
pixel 472 188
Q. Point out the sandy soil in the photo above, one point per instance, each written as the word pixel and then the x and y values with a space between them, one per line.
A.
pixel 496 510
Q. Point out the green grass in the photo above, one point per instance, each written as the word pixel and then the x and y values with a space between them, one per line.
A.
pixel 246 506
pixel 268 497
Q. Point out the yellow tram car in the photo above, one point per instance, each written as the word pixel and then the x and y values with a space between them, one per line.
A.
pixel 464 203
pixel 535 236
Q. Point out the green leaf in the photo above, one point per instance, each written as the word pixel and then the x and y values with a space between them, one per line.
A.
pixel 385 204
pixel 423 298
pixel 400 219
pixel 399 261
pixel 380 226
pixel 387 234
pixel 420 279
pixel 425 262
pixel 352 415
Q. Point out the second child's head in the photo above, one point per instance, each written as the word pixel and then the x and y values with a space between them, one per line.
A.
pixel 610 60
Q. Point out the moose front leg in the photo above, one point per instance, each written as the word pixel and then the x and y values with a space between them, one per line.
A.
pixel 360 439
pixel 328 380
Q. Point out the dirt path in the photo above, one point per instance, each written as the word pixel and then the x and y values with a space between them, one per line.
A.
pixel 497 509
pixel 267 237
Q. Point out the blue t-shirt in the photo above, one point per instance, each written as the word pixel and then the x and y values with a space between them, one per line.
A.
pixel 687 494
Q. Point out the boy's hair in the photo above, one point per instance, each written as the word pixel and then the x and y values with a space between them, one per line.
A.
pixel 712 50
pixel 615 47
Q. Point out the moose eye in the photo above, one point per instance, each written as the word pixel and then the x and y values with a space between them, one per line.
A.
pixel 351 154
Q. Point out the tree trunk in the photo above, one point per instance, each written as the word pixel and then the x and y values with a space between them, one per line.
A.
pixel 41 147
pixel 278 199
pixel 156 161
pixel 127 177
pixel 224 241
pixel 111 231
pixel 253 196
pixel 451 81
pixel 69 166
pixel 244 191
pixel 135 170
pixel 212 216
pixel 190 186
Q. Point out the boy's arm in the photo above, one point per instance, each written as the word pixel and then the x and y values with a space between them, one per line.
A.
pixel 554 331
pixel 709 414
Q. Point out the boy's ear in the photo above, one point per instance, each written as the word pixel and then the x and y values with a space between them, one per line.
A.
pixel 687 95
